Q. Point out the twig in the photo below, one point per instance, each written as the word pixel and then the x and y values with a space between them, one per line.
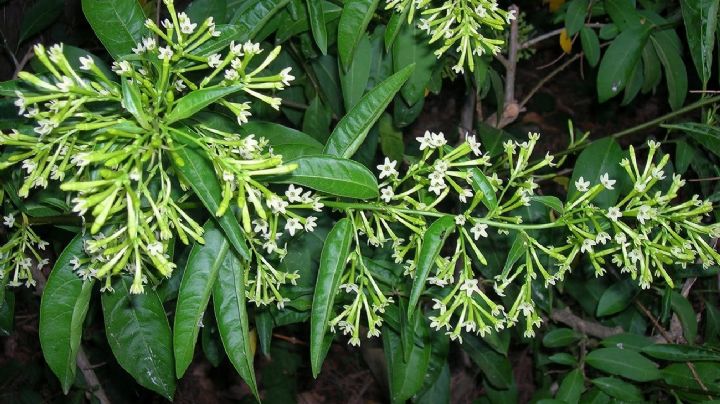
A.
pixel 553 33
pixel 21 65
pixel 590 328
pixel 291 340
pixel 547 78
pixel 9 51
pixel 512 58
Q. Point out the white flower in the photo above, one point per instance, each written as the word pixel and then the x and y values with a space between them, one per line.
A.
pixel 86 62
pixel 167 24
pixel 425 140
pixel 29 165
pixel 470 286
pixel 620 238
pixel 228 176
pixel 387 169
pixel 480 229
pixel 186 27
pixel 122 67
pixel 387 194
pixel 166 53
pixel 606 181
pixel 602 237
pixel 9 220
pixel 294 194
pixel 179 85
pixel 438 140
pixel 149 43
pixel 42 244
pixel 653 144
pixel 155 248
pixel 251 48
pixel 658 174
pixel 231 75
pixel 582 185
pixel 459 220
pixel 75 262
pixel 292 225
pixel 474 145
pixel 139 48
pixel 466 193
pixel 310 224
pixel 317 206
pixel 261 226
pixel 286 77
pixel 587 245
pixel 614 213
pixel 645 213
pixel 277 204
pixel 214 60
pixel 437 188
pixel 236 49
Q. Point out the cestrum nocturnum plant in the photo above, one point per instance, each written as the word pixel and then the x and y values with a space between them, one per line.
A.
pixel 115 143
pixel 463 26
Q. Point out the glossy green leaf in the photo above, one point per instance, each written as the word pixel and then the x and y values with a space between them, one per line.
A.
pixel 551 202
pixel 517 250
pixel 350 132
pixel 192 103
pixel 623 13
pixel 119 24
pixel 391 139
pixel 317 120
pixel 619 61
pixel 433 241
pixel 627 341
pixel 685 312
pixel 393 28
pixel 679 374
pixel 616 298
pixel 600 157
pixel 199 173
pixel 132 102
pixel 495 367
pixel 287 142
pixel 652 74
pixel 560 337
pixel 412 47
pixel 406 375
pixel 63 307
pixel 355 17
pixel 622 362
pixel 701 17
pixel 333 175
pixel 199 10
pixel 618 388
pixel 590 45
pixel 675 72
pixel 326 72
pixel 251 16
pixel 575 16
pixel 38 17
pixel 571 387
pixel 317 23
pixel 480 183
pixel 198 279
pixel 232 319
pixel 332 263
pixel 139 336
pixel 681 353
pixel 706 135
pixel 563 358
pixel 331 13
pixel 354 79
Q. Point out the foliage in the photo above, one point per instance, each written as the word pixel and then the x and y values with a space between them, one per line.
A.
pixel 217 175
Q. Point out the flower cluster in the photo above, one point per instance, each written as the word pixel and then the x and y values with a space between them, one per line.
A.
pixel 20 253
pixel 112 141
pixel 459 25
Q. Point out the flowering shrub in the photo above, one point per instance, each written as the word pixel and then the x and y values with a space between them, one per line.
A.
pixel 174 191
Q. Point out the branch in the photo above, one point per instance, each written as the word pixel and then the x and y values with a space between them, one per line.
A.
pixel 547 35
pixel 512 58
pixel 586 327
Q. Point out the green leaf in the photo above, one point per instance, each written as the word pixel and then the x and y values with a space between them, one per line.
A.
pixel 317 120
pixel 391 139
pixel 328 77
pixel 616 298
pixel 332 263
pixel 393 27
pixel 627 341
pixel 355 17
pixel 563 358
pixel 412 47
pixel 333 175
pixel 354 79
pixel 192 103
pixel 406 376
pixel 651 68
pixel 198 280
pixel 118 24
pixel 575 16
pixel 517 250
pixel 571 387
pixel 623 13
pixel 132 102
pixel 287 142
pixel 232 319
pixel 619 389
pixel 63 307
pixel 560 337
pixel 199 10
pixel 706 135
pixel 551 202
pixel 199 173
pixel 681 353
pixel 495 367
pixel 590 45
pixel 602 156
pixel 679 374
pixel 433 241
pixel 675 72
pixel 622 362
pixel 712 324
pixel 38 17
pixel 139 336
pixel 701 18
pixel 619 61
pixel 251 16
pixel 480 183
pixel 353 127
pixel 317 23
pixel 684 310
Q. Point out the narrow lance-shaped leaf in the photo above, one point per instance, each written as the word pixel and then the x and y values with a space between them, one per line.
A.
pixel 333 175
pixel 432 243
pixel 317 24
pixel 332 263
pixel 480 183
pixel 355 17
pixel 619 61
pixel 188 105
pixel 622 362
pixel 251 16
pixel 575 16
pixel 701 17
pixel 199 173
pixel 63 307
pixel 139 336
pixel 675 72
pixel 406 375
pixel 232 318
pixel 198 280
pixel 350 132
pixel 119 24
